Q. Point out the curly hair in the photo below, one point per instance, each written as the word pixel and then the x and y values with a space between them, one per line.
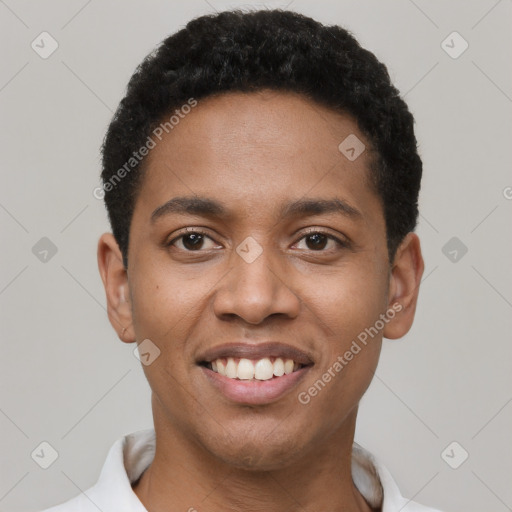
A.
pixel 266 49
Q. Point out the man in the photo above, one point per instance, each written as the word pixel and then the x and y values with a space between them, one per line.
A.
pixel 261 178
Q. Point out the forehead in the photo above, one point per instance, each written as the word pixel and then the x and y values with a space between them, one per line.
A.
pixel 242 122
pixel 254 150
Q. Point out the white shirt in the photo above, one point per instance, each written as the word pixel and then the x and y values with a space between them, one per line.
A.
pixel 130 455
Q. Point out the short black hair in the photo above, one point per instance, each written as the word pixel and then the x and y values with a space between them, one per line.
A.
pixel 265 49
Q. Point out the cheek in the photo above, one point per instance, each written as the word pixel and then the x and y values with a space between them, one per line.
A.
pixel 350 301
pixel 164 302
pixel 167 309
pixel 349 359
pixel 348 305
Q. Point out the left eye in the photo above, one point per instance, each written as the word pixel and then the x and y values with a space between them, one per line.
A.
pixel 317 241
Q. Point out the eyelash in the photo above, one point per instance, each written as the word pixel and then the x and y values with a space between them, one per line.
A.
pixel 311 231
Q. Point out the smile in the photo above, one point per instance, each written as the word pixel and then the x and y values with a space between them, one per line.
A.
pixel 265 368
pixel 254 373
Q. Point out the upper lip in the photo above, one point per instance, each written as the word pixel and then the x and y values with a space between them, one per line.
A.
pixel 256 351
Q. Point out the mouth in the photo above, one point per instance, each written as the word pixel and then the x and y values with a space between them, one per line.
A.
pixel 265 368
pixel 254 373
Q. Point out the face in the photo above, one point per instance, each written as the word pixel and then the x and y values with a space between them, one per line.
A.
pixel 258 250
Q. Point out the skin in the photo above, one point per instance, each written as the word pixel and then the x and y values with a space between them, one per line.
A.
pixel 255 152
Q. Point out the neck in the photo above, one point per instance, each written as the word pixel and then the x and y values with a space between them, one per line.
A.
pixel 185 477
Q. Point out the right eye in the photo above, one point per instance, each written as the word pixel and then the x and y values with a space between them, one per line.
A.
pixel 192 240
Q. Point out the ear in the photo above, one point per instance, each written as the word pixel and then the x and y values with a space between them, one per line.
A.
pixel 115 280
pixel 404 285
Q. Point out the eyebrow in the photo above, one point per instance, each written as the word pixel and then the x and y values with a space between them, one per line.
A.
pixel 206 207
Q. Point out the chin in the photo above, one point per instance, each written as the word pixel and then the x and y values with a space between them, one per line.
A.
pixel 259 450
pixel 258 459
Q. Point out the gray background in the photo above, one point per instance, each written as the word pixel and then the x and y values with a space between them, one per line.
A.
pixel 66 377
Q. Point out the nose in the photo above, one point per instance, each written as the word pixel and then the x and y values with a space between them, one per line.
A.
pixel 256 290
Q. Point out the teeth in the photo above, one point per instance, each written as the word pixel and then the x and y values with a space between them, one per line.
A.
pixel 221 367
pixel 278 367
pixel 231 368
pixel 288 366
pixel 245 369
pixel 262 369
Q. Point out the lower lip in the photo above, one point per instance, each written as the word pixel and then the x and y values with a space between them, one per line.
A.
pixel 255 392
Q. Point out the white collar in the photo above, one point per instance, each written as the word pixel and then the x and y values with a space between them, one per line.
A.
pixel 130 455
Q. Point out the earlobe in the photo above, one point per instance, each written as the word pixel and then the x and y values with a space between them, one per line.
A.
pixel 405 279
pixel 115 282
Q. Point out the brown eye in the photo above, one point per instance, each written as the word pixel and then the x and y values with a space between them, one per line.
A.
pixel 192 241
pixel 318 241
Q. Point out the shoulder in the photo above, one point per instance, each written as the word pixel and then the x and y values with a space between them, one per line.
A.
pixel 127 458
pixel 378 486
